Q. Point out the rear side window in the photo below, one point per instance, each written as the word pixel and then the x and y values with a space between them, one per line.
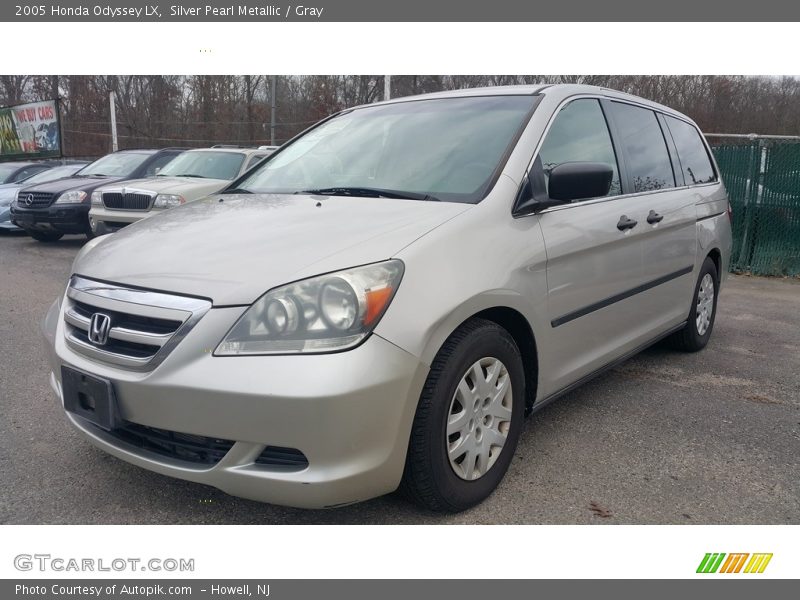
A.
pixel 579 134
pixel 646 154
pixel 695 164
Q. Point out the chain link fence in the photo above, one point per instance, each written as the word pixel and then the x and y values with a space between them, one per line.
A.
pixel 762 176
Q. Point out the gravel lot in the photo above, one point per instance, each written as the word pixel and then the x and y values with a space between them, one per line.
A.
pixel 664 438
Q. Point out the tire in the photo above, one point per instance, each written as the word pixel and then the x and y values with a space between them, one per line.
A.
pixel 433 477
pixel 45 236
pixel 694 337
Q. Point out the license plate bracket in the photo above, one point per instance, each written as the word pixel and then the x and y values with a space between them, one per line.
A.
pixel 89 397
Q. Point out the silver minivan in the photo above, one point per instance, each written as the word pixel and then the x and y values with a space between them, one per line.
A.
pixel 381 302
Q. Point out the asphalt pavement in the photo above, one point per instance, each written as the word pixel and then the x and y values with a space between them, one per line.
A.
pixel 712 437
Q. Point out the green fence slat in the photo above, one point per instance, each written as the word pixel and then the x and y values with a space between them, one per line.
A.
pixel 762 177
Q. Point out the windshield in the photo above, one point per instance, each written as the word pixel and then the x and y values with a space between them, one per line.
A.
pixel 6 171
pixel 213 165
pixel 446 149
pixel 121 164
pixel 53 174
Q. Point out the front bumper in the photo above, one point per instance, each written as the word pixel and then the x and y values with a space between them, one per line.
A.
pixel 103 220
pixel 64 218
pixel 350 413
pixel 5 219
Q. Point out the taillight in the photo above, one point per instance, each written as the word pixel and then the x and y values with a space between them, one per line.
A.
pixel 730 213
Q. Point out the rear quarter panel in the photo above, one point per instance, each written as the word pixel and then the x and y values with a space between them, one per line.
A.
pixel 713 225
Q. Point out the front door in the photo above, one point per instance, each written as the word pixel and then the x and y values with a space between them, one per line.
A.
pixel 594 254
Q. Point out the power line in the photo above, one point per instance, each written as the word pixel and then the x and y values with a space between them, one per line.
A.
pixel 205 122
pixel 167 139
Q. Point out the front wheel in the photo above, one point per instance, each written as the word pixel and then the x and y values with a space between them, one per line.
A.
pixel 468 419
pixel 695 334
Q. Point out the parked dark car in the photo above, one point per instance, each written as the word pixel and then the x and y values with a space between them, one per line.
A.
pixel 47 211
pixel 8 191
pixel 14 172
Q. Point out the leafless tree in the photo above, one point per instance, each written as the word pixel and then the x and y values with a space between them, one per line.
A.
pixel 200 110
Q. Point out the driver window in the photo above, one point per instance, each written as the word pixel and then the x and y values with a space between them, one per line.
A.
pixel 578 134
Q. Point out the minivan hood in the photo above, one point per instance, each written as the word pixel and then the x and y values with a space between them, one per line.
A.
pixel 192 187
pixel 233 248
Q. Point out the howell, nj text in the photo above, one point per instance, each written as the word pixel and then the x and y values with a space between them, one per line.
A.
pixel 243 590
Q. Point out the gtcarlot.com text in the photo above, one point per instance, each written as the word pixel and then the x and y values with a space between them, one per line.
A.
pixel 49 563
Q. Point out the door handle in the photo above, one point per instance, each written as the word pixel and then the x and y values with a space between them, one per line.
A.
pixel 626 223
pixel 654 217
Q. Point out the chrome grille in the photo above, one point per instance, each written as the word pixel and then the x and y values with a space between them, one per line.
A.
pixel 143 326
pixel 128 201
pixel 35 199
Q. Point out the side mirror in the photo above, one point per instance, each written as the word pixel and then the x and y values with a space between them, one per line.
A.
pixel 567 182
pixel 579 180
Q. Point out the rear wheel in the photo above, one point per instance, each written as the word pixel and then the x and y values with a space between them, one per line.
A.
pixel 468 419
pixel 697 331
pixel 46 236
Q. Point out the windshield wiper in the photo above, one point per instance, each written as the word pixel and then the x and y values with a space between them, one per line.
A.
pixel 186 175
pixel 369 192
pixel 236 191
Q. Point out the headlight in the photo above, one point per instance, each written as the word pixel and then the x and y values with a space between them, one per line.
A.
pixel 321 314
pixel 168 201
pixel 97 198
pixel 73 197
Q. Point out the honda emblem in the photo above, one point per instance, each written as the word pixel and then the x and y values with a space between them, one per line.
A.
pixel 99 328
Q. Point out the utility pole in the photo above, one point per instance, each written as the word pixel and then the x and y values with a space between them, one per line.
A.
pixel 387 87
pixel 273 88
pixel 112 97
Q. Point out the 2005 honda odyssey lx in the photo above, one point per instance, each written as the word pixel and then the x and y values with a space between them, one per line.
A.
pixel 380 302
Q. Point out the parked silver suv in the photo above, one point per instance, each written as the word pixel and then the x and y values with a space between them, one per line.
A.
pixel 381 302
pixel 190 176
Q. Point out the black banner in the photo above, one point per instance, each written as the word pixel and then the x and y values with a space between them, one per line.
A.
pixel 334 589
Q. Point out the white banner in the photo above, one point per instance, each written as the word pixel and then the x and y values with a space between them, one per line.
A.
pixel 346 552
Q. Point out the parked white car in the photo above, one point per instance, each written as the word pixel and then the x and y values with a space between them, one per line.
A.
pixel 192 175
